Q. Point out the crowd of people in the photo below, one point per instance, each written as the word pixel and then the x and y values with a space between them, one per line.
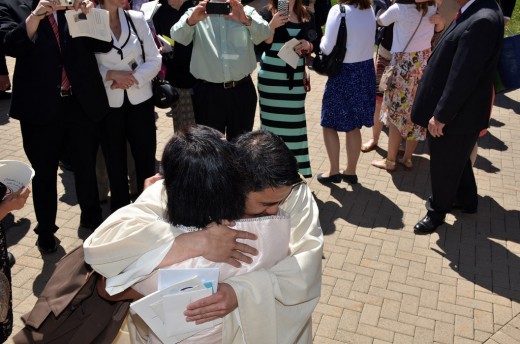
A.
pixel 88 93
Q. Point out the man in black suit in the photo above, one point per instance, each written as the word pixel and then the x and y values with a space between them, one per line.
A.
pixel 59 98
pixel 453 101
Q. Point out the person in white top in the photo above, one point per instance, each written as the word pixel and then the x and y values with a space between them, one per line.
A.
pixel 349 98
pixel 127 71
pixel 414 25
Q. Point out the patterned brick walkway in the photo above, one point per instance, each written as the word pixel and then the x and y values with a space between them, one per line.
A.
pixel 381 283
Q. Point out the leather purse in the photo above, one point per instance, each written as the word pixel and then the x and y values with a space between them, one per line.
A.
pixel 332 63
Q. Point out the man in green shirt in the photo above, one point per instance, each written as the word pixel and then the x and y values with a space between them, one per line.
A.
pixel 222 60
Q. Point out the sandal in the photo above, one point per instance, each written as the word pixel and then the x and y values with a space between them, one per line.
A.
pixel 368 147
pixel 384 164
pixel 408 165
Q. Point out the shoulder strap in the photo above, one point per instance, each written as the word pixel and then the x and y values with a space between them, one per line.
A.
pixel 129 18
pixel 413 34
pixel 341 39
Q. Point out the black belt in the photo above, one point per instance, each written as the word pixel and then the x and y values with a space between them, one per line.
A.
pixel 229 84
pixel 65 93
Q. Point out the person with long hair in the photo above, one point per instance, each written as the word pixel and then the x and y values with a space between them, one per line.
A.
pixel 411 47
pixel 127 70
pixel 349 98
pixel 280 86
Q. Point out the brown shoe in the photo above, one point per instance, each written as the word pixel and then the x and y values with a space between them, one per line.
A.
pixel 384 164
pixel 408 165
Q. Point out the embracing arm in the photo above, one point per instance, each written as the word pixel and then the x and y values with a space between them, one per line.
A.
pixel 287 293
pixel 136 240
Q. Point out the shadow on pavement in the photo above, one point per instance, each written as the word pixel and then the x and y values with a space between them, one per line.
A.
pixel 360 207
pixel 483 248
pixel 503 101
pixel 67 179
pixel 489 141
pixel 15 231
pixel 49 265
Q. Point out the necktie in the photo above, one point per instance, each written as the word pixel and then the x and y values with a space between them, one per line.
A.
pixel 457 15
pixel 65 83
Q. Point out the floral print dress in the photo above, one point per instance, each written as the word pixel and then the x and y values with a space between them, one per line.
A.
pixel 398 98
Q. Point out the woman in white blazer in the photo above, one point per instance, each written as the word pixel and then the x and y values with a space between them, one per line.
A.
pixel 127 75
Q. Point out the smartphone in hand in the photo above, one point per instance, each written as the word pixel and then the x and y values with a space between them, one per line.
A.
pixel 283 7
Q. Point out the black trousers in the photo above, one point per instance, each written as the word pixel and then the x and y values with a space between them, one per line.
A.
pixel 229 110
pixel 44 144
pixel 452 177
pixel 135 124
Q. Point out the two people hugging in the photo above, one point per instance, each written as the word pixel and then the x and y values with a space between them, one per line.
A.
pixel 270 263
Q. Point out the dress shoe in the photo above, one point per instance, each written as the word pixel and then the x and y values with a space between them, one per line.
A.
pixel 11 259
pixel 47 243
pixel 349 178
pixel 335 178
pixel 427 225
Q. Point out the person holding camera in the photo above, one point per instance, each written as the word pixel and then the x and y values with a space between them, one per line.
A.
pixel 59 98
pixel 223 36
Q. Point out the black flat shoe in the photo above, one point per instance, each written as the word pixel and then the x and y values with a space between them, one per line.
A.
pixel 350 178
pixel 47 245
pixel 427 225
pixel 336 178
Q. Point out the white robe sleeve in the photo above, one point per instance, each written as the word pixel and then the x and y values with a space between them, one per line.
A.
pixel 285 295
pixel 119 244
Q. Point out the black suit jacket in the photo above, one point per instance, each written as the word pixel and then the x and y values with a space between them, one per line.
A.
pixel 457 84
pixel 37 74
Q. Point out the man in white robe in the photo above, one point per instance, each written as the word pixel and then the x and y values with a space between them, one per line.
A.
pixel 265 306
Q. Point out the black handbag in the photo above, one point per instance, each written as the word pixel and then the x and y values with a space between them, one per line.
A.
pixel 164 94
pixel 332 63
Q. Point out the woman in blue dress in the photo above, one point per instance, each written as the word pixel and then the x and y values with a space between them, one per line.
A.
pixel 281 87
pixel 349 98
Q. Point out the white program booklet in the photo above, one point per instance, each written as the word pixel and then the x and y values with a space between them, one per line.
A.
pixel 163 310
pixel 95 24
pixel 288 54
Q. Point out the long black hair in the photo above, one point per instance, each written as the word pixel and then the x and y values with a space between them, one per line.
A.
pixel 202 178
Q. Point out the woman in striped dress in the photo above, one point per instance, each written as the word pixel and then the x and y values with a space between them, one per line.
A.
pixel 280 86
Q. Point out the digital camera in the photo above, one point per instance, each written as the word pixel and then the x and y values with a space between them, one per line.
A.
pixel 66 3
pixel 217 7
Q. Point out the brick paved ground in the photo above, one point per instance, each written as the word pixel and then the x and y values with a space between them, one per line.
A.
pixel 381 283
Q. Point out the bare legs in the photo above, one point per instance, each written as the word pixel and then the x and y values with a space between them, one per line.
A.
pixel 394 140
pixel 331 139
pixel 376 129
pixel 353 145
pixel 353 142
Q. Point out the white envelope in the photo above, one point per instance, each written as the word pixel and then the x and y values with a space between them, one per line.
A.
pixel 163 311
